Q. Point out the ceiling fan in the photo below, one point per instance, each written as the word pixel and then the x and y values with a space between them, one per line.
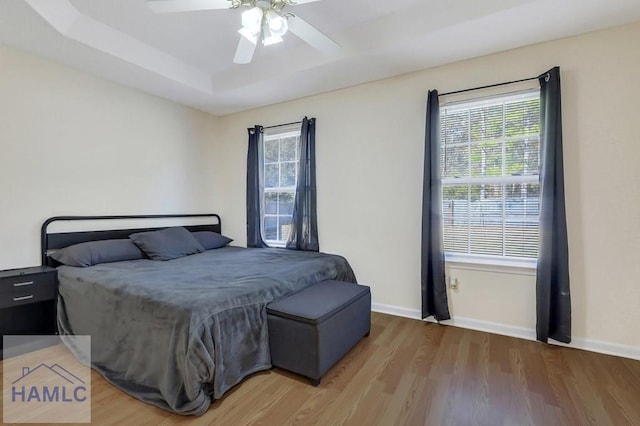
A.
pixel 262 20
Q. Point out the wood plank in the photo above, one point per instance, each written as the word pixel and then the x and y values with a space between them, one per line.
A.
pixel 410 372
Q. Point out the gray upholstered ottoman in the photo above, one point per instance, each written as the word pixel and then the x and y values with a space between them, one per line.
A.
pixel 309 331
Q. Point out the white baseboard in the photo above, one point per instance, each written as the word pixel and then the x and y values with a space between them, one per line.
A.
pixel 398 311
pixel 632 352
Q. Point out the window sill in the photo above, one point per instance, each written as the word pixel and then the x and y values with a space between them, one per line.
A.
pixel 488 264
pixel 276 244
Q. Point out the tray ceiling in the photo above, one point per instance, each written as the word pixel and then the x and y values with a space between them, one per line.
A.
pixel 187 57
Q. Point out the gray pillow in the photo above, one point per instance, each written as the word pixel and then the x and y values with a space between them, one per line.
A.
pixel 95 252
pixel 167 244
pixel 211 240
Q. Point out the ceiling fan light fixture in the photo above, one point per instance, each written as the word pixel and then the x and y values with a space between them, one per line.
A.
pixel 252 19
pixel 277 24
pixel 262 20
pixel 269 38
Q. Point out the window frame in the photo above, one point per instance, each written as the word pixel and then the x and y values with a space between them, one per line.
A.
pixel 491 263
pixel 277 133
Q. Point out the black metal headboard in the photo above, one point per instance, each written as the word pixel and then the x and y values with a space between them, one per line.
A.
pixel 52 241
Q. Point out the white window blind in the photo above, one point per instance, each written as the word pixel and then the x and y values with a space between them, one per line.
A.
pixel 490 161
pixel 280 162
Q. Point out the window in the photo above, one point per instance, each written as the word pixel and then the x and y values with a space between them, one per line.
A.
pixel 490 159
pixel 280 162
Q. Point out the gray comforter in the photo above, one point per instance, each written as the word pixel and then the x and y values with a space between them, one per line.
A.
pixel 178 333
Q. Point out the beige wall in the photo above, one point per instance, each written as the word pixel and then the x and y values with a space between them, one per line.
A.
pixel 75 144
pixel 370 148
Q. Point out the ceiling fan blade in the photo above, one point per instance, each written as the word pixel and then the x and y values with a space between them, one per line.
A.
pixel 245 50
pixel 167 6
pixel 312 35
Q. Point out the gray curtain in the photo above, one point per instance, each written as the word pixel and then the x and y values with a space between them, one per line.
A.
pixel 434 288
pixel 552 280
pixel 254 183
pixel 304 224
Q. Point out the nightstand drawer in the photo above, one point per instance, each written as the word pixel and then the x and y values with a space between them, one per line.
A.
pixel 29 294
pixel 26 282
pixel 22 288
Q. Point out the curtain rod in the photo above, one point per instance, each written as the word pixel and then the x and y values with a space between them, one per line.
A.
pixel 489 86
pixel 282 125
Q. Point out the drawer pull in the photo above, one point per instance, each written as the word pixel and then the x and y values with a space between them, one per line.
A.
pixel 23 284
pixel 18 299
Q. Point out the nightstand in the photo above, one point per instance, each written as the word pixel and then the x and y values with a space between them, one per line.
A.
pixel 28 305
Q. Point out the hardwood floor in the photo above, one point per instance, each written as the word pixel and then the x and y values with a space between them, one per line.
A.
pixel 414 373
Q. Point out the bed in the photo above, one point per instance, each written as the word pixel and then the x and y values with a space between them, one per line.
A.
pixel 179 333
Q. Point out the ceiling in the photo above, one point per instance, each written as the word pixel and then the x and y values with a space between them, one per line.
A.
pixel 188 57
